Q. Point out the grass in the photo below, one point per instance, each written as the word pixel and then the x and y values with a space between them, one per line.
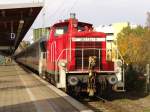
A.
pixel 146 110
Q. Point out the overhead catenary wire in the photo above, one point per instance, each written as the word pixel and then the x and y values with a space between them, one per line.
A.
pixel 70 8
pixel 43 14
pixel 53 15
pixel 73 6
pixel 62 10
pixel 65 10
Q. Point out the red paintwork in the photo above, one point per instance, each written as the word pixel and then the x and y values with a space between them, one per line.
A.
pixel 63 42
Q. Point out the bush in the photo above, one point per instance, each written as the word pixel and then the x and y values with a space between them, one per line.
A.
pixel 134 80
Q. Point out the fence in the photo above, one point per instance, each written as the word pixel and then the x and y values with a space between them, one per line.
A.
pixel 147 83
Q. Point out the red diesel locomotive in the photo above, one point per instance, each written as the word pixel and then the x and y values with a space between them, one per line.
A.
pixel 73 58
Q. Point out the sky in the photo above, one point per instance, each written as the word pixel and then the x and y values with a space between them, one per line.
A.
pixel 97 12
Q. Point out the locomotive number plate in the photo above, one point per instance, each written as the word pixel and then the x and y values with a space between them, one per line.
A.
pixel 88 39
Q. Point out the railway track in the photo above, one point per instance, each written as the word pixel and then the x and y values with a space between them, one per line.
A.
pixel 99 104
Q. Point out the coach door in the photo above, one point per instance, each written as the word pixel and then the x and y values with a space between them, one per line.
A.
pixel 42 57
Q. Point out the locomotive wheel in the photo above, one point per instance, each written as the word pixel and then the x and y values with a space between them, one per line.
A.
pixel 74 91
pixel 49 78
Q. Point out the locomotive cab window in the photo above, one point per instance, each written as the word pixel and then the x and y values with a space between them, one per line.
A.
pixel 60 30
pixel 83 26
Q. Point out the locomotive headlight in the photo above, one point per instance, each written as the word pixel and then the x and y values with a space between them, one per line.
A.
pixel 112 79
pixel 62 63
pixel 73 80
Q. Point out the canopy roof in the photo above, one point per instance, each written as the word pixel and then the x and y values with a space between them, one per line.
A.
pixel 15 21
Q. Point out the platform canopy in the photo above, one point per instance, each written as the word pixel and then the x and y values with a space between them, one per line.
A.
pixel 15 21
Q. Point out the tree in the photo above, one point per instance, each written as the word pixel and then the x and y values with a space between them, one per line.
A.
pixel 134 46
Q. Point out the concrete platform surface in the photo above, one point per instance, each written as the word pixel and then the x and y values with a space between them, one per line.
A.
pixel 23 91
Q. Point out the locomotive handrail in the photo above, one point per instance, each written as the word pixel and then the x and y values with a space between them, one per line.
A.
pixel 82 59
pixel 53 46
pixel 56 65
pixel 76 49
pixel 60 55
pixel 123 61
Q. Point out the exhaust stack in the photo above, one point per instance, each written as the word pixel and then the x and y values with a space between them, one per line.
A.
pixel 72 15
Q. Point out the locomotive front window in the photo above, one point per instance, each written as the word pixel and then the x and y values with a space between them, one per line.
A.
pixel 83 26
pixel 60 30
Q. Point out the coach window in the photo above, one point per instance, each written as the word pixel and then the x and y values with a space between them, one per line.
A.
pixel 43 46
pixel 60 30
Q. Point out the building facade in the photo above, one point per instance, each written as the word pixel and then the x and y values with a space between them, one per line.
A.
pixel 40 32
pixel 112 31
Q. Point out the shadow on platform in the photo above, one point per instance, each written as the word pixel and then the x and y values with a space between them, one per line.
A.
pixel 44 105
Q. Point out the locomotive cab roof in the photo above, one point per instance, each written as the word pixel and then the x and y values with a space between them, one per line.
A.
pixel 66 22
pixel 61 23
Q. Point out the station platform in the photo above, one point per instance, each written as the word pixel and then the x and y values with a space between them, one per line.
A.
pixel 23 91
